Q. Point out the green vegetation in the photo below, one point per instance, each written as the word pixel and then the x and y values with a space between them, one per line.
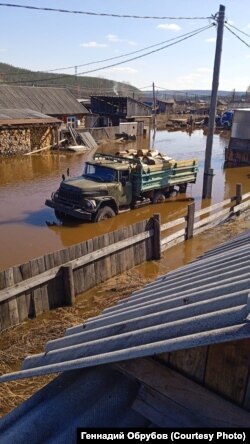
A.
pixel 79 86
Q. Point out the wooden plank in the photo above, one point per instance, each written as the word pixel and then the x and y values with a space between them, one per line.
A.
pixel 4 315
pixel 241 206
pixel 245 196
pixel 173 223
pixel 214 207
pixel 36 294
pixel 173 236
pixel 212 218
pixel 209 226
pixel 192 362
pixel 190 400
pixel 247 395
pixel 13 311
pixel 164 412
pixel 69 287
pixel 174 242
pixel 227 369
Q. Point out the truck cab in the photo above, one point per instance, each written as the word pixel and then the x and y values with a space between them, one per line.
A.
pixel 104 188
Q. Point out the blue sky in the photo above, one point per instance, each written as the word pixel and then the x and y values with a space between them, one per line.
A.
pixel 40 40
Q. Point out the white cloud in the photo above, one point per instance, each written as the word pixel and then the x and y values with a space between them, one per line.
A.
pixel 114 38
pixel 204 70
pixel 211 40
pixel 3 49
pixel 93 45
pixel 169 26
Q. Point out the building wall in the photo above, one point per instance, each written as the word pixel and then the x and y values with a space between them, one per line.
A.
pixel 223 368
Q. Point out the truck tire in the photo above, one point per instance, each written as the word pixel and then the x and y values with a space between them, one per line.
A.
pixel 59 215
pixel 104 213
pixel 158 197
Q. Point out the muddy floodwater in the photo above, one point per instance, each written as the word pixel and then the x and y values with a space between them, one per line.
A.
pixel 25 183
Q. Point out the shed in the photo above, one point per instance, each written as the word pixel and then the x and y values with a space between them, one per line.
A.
pixel 56 102
pixel 238 151
pixel 115 109
pixel 25 130
pixel 174 354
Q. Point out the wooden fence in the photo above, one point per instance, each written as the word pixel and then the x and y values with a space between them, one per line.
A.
pixel 55 279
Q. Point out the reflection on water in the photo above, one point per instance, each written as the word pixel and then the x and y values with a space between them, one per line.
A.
pixel 27 181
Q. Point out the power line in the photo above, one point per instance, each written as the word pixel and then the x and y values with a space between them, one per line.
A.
pixel 116 57
pixel 101 14
pixel 122 62
pixel 243 41
pixel 237 29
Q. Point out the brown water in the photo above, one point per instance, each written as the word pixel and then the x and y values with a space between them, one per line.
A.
pixel 26 182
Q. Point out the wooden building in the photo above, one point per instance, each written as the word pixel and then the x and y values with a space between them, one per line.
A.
pixel 115 109
pixel 23 131
pixel 174 354
pixel 55 102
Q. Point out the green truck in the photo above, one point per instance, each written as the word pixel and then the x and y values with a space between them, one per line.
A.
pixel 111 184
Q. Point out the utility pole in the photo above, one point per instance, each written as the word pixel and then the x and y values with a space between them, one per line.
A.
pixel 154 116
pixel 208 172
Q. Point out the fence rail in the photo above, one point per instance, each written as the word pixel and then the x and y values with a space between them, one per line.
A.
pixel 55 279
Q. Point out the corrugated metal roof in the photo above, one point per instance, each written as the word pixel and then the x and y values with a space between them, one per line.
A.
pixel 24 116
pixel 47 100
pixel 202 303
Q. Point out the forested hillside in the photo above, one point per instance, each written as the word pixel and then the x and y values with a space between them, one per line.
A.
pixel 80 86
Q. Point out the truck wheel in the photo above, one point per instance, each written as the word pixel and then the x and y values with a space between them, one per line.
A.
pixel 59 215
pixel 104 213
pixel 158 197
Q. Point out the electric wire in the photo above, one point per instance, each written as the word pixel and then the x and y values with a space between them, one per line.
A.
pixel 237 29
pixel 100 14
pixel 119 63
pixel 116 57
pixel 238 37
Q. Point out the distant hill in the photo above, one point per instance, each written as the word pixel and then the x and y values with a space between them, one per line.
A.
pixel 193 93
pixel 80 86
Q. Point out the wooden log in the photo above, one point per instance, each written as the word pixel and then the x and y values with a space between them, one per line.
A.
pixel 40 149
pixel 68 282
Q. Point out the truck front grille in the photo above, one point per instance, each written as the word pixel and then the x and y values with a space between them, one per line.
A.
pixel 69 196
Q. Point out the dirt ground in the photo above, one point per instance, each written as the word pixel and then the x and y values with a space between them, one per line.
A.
pixel 30 337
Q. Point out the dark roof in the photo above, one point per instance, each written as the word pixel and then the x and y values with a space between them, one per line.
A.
pixel 10 117
pixel 51 101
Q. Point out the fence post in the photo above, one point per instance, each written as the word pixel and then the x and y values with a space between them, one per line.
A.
pixel 157 236
pixel 238 196
pixel 69 286
pixel 190 221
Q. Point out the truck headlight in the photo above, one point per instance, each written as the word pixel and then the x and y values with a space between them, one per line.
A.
pixel 90 204
pixel 55 195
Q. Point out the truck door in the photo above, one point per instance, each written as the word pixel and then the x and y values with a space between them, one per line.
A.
pixel 125 187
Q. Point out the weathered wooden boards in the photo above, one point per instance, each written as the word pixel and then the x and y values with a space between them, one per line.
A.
pixel 55 279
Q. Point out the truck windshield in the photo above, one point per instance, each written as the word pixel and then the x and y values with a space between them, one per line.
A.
pixel 100 173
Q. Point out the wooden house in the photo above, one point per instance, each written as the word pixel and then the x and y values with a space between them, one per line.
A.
pixel 115 109
pixel 52 101
pixel 174 354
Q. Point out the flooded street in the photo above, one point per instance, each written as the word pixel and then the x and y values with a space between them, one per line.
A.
pixel 26 182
